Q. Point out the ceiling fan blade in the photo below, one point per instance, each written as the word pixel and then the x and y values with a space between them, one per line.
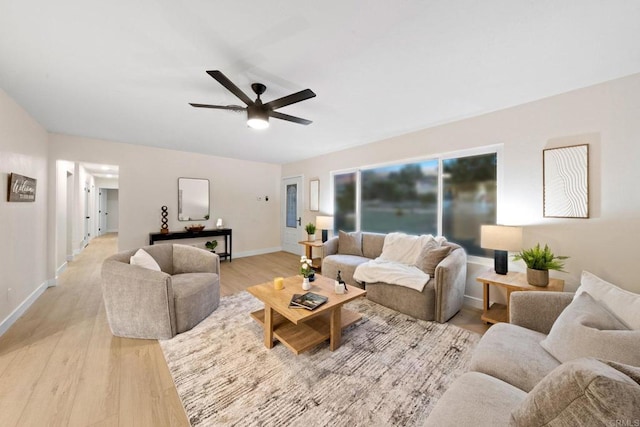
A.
pixel 290 99
pixel 219 107
pixel 281 116
pixel 224 81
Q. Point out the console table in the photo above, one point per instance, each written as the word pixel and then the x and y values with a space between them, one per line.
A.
pixel 226 232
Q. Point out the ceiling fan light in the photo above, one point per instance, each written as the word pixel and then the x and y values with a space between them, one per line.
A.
pixel 257 118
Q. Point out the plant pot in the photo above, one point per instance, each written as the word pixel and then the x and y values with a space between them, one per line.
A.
pixel 537 277
pixel 312 237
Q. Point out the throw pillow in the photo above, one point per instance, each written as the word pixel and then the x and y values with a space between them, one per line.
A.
pixel 582 392
pixel 586 329
pixel 430 258
pixel 350 243
pixel 143 259
pixel 623 304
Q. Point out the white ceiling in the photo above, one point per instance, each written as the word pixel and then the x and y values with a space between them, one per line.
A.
pixel 126 70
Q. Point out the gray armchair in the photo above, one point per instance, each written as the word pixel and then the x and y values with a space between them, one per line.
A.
pixel 143 303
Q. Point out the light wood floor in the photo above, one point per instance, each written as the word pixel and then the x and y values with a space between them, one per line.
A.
pixel 60 364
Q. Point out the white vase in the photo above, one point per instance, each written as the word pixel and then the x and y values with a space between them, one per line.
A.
pixel 312 237
pixel 305 284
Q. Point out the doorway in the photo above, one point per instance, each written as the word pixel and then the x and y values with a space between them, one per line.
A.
pixel 292 214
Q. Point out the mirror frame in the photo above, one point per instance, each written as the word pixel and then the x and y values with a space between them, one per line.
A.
pixel 208 215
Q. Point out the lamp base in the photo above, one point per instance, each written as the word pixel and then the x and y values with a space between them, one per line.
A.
pixel 500 262
pixel 325 235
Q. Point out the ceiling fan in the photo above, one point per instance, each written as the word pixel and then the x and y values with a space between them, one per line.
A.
pixel 258 113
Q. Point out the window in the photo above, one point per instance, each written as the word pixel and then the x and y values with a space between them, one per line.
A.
pixel 401 198
pixel 451 196
pixel 468 199
pixel 344 202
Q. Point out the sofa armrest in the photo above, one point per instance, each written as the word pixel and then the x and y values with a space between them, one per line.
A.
pixel 537 310
pixel 190 259
pixel 138 301
pixel 330 247
pixel 450 282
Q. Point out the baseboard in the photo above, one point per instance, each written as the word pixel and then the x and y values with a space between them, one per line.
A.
pixel 61 269
pixel 69 258
pixel 24 306
pixel 473 302
pixel 257 252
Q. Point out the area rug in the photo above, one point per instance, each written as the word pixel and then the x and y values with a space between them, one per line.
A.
pixel 389 370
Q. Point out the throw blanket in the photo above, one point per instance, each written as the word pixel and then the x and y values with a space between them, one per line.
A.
pixel 397 263
pixel 380 270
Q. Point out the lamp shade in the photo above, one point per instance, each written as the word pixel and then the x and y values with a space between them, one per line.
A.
pixel 501 237
pixel 324 222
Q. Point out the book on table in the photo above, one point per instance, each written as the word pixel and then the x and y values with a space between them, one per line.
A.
pixel 310 301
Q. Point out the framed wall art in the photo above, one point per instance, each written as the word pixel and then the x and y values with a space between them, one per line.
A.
pixel 21 188
pixel 566 182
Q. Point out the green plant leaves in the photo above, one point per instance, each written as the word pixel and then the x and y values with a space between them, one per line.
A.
pixel 541 259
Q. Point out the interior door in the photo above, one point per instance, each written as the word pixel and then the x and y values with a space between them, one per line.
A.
pixel 292 214
pixel 102 210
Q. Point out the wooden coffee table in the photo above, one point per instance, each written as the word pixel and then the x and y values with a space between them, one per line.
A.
pixel 300 329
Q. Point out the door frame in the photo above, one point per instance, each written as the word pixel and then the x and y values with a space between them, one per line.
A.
pixel 283 220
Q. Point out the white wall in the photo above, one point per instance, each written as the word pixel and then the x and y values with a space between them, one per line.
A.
pixel 605 116
pixel 148 179
pixel 23 226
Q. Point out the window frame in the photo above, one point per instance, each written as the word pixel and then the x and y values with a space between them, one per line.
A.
pixel 496 149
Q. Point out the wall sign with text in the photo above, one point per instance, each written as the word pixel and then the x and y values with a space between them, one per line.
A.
pixel 21 188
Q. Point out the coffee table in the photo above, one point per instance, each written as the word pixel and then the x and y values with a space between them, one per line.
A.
pixel 300 329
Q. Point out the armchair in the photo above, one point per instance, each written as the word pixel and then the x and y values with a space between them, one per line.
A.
pixel 143 303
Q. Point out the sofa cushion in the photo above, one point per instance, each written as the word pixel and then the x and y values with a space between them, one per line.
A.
pixel 350 243
pixel 582 392
pixel 476 399
pixel 586 329
pixel 346 264
pixel 623 304
pixel 143 259
pixel 514 355
pixel 195 295
pixel 372 244
pixel 430 258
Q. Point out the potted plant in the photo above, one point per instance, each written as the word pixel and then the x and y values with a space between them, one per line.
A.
pixel 212 245
pixel 307 271
pixel 311 231
pixel 539 262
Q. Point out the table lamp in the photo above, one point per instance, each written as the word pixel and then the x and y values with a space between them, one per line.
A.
pixel 501 238
pixel 324 223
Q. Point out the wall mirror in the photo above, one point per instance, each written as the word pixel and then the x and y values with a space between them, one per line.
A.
pixel 193 199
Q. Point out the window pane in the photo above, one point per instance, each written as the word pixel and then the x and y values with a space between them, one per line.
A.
pixel 469 199
pixel 401 198
pixel 292 205
pixel 344 190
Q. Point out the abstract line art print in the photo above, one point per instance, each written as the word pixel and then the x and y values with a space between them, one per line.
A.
pixel 566 182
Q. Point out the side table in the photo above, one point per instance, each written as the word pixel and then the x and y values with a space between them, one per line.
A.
pixel 308 248
pixel 512 282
